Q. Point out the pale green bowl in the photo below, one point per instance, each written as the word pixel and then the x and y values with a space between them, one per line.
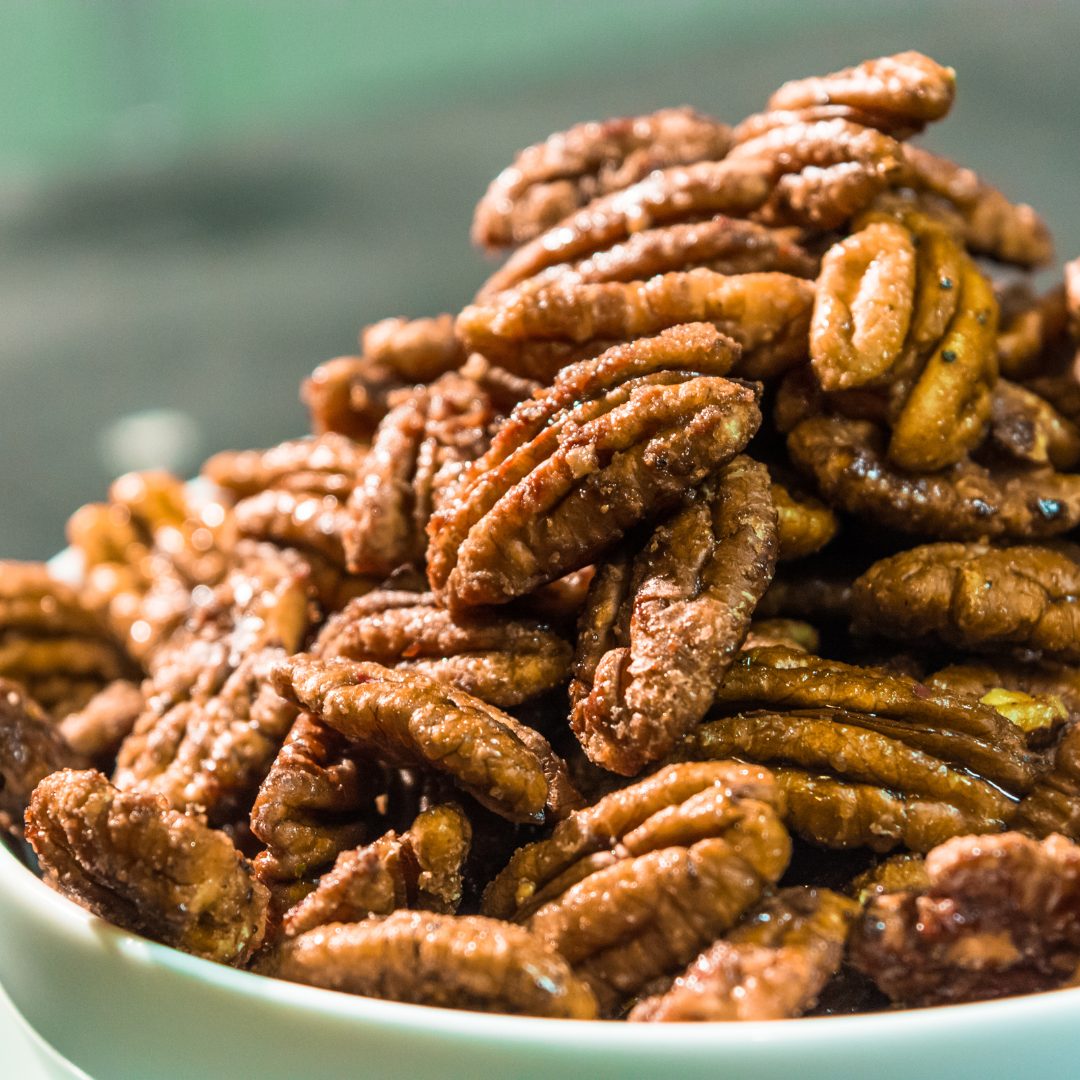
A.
pixel 119 1007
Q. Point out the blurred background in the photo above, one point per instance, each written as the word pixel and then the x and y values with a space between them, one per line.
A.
pixel 200 200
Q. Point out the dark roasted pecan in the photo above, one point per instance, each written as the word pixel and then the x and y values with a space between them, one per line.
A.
pixel 405 718
pixel 156 871
pixel 1027 428
pixel 504 661
pixel 1053 805
pixel 457 962
pixel 807 596
pixel 772 966
pixel 1000 916
pixel 974 597
pixel 550 180
pixel 1030 335
pixel 662 624
pixel 566 479
pixel 964 502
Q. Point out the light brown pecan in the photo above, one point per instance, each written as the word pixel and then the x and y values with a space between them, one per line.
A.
pixel 550 180
pixel 101 725
pixel 772 966
pixel 405 718
pixel 974 597
pixel 964 502
pixel 999 916
pixel 349 396
pixel 662 624
pixel 894 874
pixel 142 866
pixel 804 524
pixel 458 962
pixel 563 483
pixel 501 660
pixel 417 351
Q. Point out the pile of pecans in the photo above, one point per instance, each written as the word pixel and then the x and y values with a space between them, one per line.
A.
pixel 686 630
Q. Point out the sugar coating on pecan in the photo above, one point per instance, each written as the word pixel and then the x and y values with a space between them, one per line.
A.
pixel 662 624
pixel 405 718
pixel 999 916
pixel 966 501
pixel 974 597
pixel 547 500
pixel 130 859
pixel 455 962
pixel 772 966
pixel 502 660
pixel 550 180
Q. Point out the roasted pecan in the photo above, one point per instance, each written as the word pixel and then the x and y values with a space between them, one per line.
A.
pixel 457 962
pixel 999 916
pixel 804 524
pixel 1030 430
pixel 974 597
pixel 564 482
pixel 772 966
pixel 788 633
pixel 1040 679
pixel 349 395
pixel 418 445
pixel 1030 333
pixel 130 859
pixel 767 314
pixel 894 874
pixel 1053 805
pixel 963 502
pixel 405 718
pixel 501 660
pixel 101 725
pixel 550 180
pixel 417 351
pixel 677 194
pixel 662 624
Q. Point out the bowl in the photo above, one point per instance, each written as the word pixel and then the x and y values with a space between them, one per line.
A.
pixel 119 1007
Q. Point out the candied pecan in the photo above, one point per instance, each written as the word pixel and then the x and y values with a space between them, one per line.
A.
pixel 804 524
pixel 1041 679
pixel 562 483
pixel 501 660
pixel 550 180
pixel 130 859
pixel 823 172
pixel 666 888
pixel 101 725
pixel 959 730
pixel 420 869
pixel 1029 429
pixel 789 633
pixel 908 88
pixel 894 874
pixel 1053 805
pixel 1036 717
pixel 418 351
pixel 773 965
pixel 31 747
pixel 974 597
pixel 963 502
pixel 676 194
pixel 1028 334
pixel 406 718
pixel 947 411
pixel 313 804
pixel 452 961
pixel 999 916
pixel 349 395
pixel 418 444
pixel 503 388
pixel 1008 232
pixel 811 597
pixel 662 625
pixel 767 314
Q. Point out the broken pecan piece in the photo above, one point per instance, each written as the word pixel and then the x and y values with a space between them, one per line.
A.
pixel 156 871
pixel 1028 428
pixel 661 626
pixel 804 524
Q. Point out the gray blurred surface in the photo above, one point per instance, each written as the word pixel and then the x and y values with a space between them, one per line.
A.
pixel 208 280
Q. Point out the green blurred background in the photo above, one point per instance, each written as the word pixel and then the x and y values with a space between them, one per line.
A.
pixel 201 200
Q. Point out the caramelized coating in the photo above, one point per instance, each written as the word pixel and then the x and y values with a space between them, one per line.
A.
pixel 1028 428
pixel 908 88
pixel 312 524
pixel 101 725
pixel 1053 806
pixel 349 395
pixel 894 874
pixel 677 194
pixel 999 916
pixel 547 500
pixel 1009 232
pixel 550 180
pixel 456 962
pixel 804 524
pixel 31 748
pixel 130 859
pixel 428 432
pixel 772 966
pixel 767 314
pixel 417 351
pixel 503 661
pixel 661 628
pixel 974 597
pixel 405 718
pixel 964 502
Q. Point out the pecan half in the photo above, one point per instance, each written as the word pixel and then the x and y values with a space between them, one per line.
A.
pixel 1027 428
pixel 417 351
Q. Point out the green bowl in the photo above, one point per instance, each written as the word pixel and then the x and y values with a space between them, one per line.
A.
pixel 118 1006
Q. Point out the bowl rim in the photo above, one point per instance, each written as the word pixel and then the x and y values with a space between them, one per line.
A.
pixel 27 889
